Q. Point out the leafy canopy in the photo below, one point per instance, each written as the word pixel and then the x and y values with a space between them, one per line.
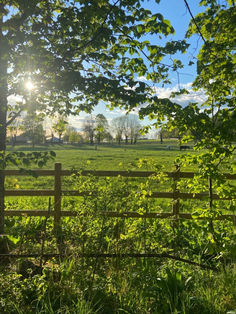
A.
pixel 211 124
pixel 78 52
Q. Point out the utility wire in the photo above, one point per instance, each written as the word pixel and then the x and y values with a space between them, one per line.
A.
pixel 198 28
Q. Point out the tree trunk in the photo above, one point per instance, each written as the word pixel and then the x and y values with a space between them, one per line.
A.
pixel 99 138
pixel 161 138
pixel 3 127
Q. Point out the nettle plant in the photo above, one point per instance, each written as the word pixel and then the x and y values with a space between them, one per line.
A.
pixel 115 194
pixel 95 232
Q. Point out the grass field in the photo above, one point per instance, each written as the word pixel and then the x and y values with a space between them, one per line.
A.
pixel 101 157
pixel 110 156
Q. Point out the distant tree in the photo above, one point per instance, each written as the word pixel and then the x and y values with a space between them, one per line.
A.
pixel 118 128
pixel 76 137
pixel 72 136
pixel 13 133
pixel 60 126
pixel 165 133
pixel 32 127
pixel 160 135
pixel 89 127
pixel 108 137
pixel 67 133
pixel 101 127
pixel 127 126
pixel 134 127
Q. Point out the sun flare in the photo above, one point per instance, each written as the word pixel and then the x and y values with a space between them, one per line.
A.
pixel 29 85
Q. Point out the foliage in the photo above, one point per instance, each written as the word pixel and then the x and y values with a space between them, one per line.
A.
pixel 89 129
pixel 210 124
pixel 33 128
pixel 60 126
pixel 85 52
pixel 101 127
pixel 72 136
pixel 23 160
pixel 126 127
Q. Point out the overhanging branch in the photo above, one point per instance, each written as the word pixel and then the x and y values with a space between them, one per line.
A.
pixel 14 117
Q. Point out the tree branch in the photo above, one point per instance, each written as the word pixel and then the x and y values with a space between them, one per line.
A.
pixel 14 117
pixel 100 29
pixel 198 28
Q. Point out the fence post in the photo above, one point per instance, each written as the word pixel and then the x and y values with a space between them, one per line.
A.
pixel 57 199
pixel 175 205
pixel 211 226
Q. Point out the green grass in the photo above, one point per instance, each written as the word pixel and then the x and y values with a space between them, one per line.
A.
pixel 101 157
pixel 97 157
pixel 109 156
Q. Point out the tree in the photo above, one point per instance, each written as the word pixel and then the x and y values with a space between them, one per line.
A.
pixel 72 54
pixel 167 133
pixel 72 136
pixel 216 73
pixel 118 128
pixel 33 129
pixel 101 126
pixel 75 137
pixel 127 126
pixel 134 127
pixel 161 135
pixel 89 127
pixel 60 126
pixel 210 124
pixel 13 130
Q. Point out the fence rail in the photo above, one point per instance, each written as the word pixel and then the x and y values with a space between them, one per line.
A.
pixel 109 173
pixel 57 193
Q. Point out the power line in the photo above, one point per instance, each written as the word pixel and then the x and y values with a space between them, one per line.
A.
pixel 198 28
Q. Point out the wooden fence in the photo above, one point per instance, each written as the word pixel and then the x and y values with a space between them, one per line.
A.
pixel 57 193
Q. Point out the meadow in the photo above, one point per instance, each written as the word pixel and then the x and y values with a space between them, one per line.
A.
pixel 107 156
pixel 79 284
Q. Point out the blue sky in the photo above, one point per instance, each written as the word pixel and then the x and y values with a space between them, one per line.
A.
pixel 176 12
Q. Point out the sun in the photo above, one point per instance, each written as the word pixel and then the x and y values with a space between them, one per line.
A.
pixel 29 85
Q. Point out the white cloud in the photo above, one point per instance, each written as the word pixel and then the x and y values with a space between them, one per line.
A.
pixel 193 96
pixel 116 111
pixel 13 99
pixel 143 79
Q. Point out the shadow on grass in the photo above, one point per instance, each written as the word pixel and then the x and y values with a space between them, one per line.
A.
pixel 49 147
pixel 140 146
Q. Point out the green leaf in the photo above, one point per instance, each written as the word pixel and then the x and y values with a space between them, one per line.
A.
pixel 13 239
